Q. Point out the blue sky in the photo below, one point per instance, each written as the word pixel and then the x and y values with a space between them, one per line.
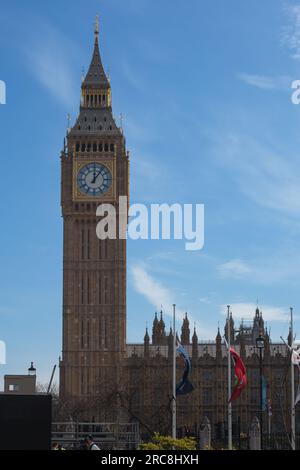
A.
pixel 205 91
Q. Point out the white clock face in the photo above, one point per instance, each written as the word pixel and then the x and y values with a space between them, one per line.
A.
pixel 94 179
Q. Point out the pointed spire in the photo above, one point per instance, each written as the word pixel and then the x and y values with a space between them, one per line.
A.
pixel 219 344
pixel 218 337
pixel 146 337
pixel 195 337
pixel 185 331
pixel 195 344
pixel 96 77
pixel 161 321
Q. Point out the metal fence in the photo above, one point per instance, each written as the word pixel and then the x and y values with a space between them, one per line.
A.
pixel 107 435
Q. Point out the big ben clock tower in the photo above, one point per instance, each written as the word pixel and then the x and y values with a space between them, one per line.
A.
pixel 94 169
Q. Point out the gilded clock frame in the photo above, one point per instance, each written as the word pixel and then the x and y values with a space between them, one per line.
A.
pixel 109 195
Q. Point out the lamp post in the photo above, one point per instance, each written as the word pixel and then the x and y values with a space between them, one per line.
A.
pixel 260 344
pixel 31 369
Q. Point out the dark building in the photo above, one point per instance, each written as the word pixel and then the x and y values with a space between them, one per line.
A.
pixel 151 365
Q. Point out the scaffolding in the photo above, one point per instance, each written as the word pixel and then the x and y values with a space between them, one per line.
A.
pixel 107 435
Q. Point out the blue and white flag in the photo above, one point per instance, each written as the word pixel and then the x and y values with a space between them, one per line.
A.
pixel 184 386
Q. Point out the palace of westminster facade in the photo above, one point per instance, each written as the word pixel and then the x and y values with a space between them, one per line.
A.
pixel 102 378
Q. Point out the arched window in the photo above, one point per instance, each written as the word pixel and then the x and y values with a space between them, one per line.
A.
pixel 105 147
pixel 101 147
pixel 112 147
pixel 83 147
pixel 94 147
pixel 77 146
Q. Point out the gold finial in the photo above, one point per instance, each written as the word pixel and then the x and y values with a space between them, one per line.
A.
pixel 97 26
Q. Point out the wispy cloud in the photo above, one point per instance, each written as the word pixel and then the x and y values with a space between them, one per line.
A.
pixel 154 291
pixel 234 268
pixel 246 311
pixel 51 62
pixel 291 32
pixel 157 294
pixel 267 82
pixel 284 267
pixel 268 178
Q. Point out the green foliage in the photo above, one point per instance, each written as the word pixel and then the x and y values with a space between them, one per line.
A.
pixel 159 442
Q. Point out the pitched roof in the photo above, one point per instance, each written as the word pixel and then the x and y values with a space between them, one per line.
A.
pixel 96 77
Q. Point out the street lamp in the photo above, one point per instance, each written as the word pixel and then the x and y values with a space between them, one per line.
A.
pixel 260 344
pixel 31 369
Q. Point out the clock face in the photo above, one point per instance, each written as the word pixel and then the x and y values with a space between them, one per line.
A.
pixel 94 179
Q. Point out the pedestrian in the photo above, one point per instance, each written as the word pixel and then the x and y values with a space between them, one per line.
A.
pixel 90 443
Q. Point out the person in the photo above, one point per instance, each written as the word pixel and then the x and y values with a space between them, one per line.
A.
pixel 55 446
pixel 83 445
pixel 91 444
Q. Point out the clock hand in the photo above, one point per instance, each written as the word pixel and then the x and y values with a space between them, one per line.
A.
pixel 95 176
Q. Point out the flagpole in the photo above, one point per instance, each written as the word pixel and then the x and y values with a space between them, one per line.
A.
pixel 269 426
pixel 229 383
pixel 292 387
pixel 174 378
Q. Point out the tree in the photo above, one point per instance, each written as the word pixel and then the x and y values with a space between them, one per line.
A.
pixel 160 442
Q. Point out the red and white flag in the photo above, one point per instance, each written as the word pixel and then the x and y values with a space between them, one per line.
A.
pixel 240 375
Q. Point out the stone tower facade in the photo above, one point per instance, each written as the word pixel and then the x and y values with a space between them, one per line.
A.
pixel 94 170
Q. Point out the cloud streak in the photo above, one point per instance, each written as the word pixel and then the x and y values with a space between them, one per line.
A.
pixel 246 311
pixel 235 268
pixel 51 62
pixel 266 177
pixel 290 36
pixel 159 295
pixel 269 83
pixel 154 291
pixel 282 267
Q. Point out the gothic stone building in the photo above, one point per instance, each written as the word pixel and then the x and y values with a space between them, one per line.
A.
pixel 102 377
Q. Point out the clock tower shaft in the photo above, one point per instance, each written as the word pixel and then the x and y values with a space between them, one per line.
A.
pixel 94 271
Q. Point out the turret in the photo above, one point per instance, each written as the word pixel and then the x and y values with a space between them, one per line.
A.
pixel 195 345
pixel 185 331
pixel 155 330
pixel 146 344
pixel 231 322
pixel 218 345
